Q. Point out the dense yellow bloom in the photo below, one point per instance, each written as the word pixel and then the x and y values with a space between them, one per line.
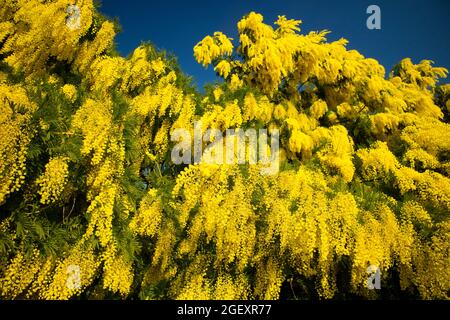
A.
pixel 279 112
pixel 19 274
pixel 105 72
pixel 382 122
pixel 415 213
pixel 364 175
pixel 148 218
pixel 235 82
pixel 158 66
pixel 15 136
pixel 226 288
pixel 161 140
pixel 300 142
pixel 196 288
pixel 70 92
pixel 422 74
pixel 318 109
pixel 419 157
pixel 269 281
pixel 53 180
pixel 46 35
pixel 73 274
pixel 338 151
pixel 431 135
pixel 211 48
pixel 139 71
pixel 223 68
pixel 287 26
pixel 94 120
pixel 118 273
pixel 217 92
pixel 89 51
pixel 377 162
pixel 429 186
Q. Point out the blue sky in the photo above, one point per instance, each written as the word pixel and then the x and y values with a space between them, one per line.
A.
pixel 409 28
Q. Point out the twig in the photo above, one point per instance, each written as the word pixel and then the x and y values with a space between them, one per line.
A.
pixel 73 206
pixel 292 289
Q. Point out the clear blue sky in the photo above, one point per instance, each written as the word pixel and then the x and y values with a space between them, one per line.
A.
pixel 409 28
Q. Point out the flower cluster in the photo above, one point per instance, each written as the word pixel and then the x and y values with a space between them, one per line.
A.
pixel 53 180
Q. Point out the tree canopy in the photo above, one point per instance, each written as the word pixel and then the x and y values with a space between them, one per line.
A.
pixel 86 177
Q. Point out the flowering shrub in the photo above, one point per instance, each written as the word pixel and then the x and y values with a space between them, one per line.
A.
pixel 87 179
